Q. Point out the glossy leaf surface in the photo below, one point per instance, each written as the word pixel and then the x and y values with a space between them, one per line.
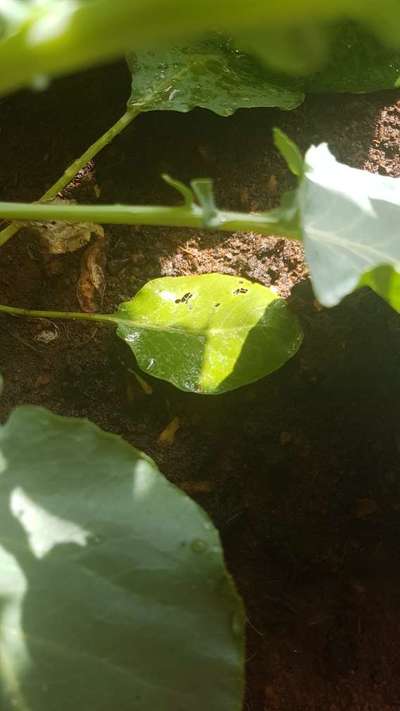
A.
pixel 113 591
pixel 211 74
pixel 214 74
pixel 209 333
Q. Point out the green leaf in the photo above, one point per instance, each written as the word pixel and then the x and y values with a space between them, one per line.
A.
pixel 345 58
pixel 211 74
pixel 289 151
pixel 60 37
pixel 350 224
pixel 214 74
pixel 209 333
pixel 357 62
pixel 385 281
pixel 113 590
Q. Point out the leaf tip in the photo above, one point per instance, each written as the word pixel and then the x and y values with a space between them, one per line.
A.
pixel 289 151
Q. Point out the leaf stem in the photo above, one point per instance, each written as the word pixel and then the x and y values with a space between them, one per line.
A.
pixel 115 319
pixel 69 315
pixel 72 170
pixel 267 223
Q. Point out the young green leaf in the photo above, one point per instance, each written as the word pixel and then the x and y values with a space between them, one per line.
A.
pixel 289 151
pixel 113 590
pixel 350 224
pixel 211 74
pixel 209 333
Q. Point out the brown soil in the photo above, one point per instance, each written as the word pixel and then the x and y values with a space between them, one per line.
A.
pixel 299 471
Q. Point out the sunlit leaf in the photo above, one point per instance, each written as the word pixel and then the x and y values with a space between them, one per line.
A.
pixel 113 590
pixel 350 224
pixel 209 333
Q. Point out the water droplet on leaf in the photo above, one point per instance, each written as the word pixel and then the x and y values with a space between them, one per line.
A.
pixel 199 546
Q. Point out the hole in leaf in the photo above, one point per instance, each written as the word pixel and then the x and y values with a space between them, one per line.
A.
pixel 185 298
pixel 216 305
pixel 240 291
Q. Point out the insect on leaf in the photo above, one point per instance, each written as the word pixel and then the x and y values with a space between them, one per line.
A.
pixel 113 589
pixel 209 333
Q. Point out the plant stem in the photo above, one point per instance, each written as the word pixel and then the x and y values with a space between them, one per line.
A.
pixel 267 223
pixel 72 170
pixel 111 319
pixel 69 315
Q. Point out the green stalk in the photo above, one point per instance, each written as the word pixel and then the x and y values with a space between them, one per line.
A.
pixel 72 170
pixel 69 315
pixel 109 319
pixel 266 223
